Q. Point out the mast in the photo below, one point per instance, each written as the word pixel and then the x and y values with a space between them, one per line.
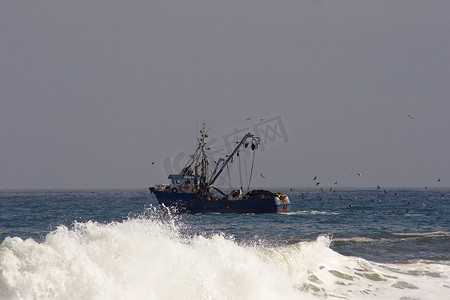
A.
pixel 204 163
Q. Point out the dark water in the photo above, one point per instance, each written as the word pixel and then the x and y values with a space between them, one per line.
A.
pixel 395 225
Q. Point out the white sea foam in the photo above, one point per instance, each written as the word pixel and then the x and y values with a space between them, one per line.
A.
pixel 424 234
pixel 311 212
pixel 359 240
pixel 149 259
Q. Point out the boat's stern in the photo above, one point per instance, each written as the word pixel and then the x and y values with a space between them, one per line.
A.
pixel 282 203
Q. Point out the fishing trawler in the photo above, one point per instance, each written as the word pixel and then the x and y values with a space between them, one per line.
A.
pixel 193 190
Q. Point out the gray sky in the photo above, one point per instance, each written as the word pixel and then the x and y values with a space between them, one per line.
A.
pixel 91 92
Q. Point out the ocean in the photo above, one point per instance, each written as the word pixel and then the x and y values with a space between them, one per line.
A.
pixel 119 244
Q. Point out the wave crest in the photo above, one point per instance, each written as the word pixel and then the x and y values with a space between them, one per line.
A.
pixel 148 258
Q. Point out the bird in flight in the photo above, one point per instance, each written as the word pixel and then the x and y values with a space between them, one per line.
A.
pixel 411 117
pixel 262 175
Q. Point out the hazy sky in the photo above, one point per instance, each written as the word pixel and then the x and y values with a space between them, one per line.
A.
pixel 91 92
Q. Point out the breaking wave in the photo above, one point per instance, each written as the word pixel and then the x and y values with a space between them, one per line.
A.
pixel 149 258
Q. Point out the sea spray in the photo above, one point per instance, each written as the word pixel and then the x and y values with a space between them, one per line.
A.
pixel 134 259
pixel 149 257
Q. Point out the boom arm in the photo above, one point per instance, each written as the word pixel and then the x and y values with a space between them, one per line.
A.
pixel 248 135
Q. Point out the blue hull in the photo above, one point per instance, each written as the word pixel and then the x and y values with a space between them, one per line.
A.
pixel 185 203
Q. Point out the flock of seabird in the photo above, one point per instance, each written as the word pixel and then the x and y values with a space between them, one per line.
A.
pixel 355 198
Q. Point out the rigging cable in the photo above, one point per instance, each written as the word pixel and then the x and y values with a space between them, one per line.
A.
pixel 245 165
pixel 251 170
pixel 229 178
pixel 240 170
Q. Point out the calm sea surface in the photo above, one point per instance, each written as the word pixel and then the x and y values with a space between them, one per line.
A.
pixel 344 243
